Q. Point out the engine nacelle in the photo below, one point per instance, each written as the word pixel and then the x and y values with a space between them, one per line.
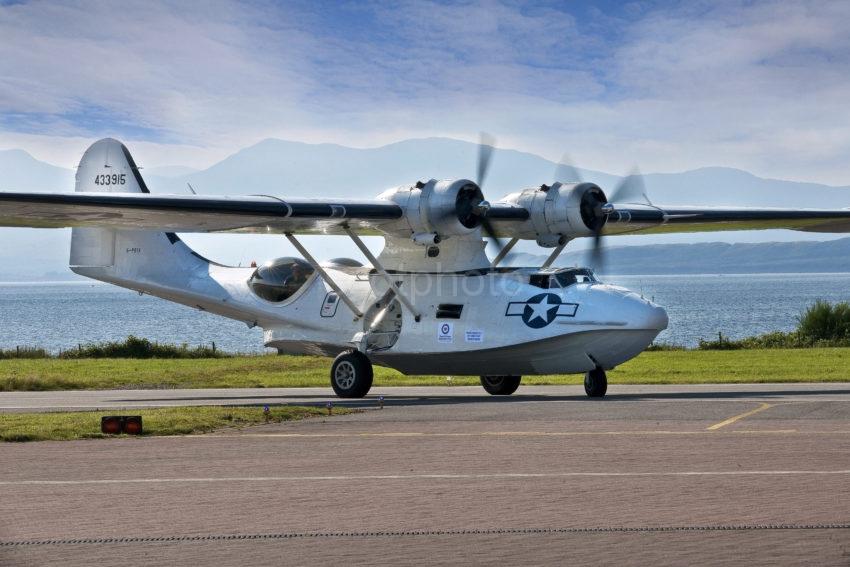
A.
pixel 559 212
pixel 441 209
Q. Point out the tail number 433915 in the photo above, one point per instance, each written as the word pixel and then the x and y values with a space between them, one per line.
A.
pixel 110 179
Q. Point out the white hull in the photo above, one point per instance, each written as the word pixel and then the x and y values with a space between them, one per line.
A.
pixel 564 354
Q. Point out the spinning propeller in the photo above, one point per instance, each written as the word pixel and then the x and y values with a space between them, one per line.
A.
pixel 595 209
pixel 485 153
pixel 472 206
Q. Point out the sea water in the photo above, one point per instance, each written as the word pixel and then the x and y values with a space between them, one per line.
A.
pixel 60 316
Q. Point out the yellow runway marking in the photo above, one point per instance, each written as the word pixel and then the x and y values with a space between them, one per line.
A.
pixel 739 417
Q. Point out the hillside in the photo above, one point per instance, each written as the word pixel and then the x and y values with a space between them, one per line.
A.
pixel 722 258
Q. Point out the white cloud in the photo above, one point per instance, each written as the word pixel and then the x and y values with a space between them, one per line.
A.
pixel 762 86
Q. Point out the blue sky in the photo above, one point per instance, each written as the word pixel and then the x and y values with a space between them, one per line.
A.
pixel 762 86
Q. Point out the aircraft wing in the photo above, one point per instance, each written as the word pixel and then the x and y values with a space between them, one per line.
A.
pixel 653 219
pixel 265 214
pixel 194 213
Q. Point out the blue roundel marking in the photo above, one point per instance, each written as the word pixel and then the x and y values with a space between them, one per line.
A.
pixel 541 310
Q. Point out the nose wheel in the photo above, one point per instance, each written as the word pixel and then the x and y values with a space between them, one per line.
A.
pixel 351 374
pixel 595 383
pixel 500 385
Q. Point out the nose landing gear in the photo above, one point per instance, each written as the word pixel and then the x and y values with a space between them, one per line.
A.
pixel 500 385
pixel 596 383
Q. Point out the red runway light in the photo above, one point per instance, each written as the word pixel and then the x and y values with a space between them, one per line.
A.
pixel 133 425
pixel 116 424
pixel 110 425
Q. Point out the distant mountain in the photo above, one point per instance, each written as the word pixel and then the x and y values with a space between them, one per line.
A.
pixel 281 167
pixel 727 186
pixel 294 168
pixel 717 258
pixel 286 168
pixel 169 171
pixel 19 171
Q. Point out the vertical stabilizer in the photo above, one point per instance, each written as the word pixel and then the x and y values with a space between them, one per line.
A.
pixel 106 167
pixel 126 257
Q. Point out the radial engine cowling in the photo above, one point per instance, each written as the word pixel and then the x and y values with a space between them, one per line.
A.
pixel 440 209
pixel 559 212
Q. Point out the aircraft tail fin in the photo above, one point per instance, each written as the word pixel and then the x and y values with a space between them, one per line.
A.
pixel 125 257
pixel 107 166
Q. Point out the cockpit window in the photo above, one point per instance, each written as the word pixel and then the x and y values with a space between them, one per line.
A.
pixel 568 277
pixel 278 280
pixel 562 278
pixel 540 280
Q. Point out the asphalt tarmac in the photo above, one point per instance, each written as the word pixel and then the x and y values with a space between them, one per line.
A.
pixel 656 475
pixel 430 395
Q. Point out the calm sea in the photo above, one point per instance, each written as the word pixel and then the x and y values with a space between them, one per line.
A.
pixel 61 315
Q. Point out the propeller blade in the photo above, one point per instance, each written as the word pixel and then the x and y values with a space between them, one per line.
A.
pixel 597 256
pixel 486 146
pixel 597 259
pixel 488 230
pixel 630 190
pixel 565 172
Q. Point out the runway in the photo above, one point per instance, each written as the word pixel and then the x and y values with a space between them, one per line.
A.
pixel 431 395
pixel 652 475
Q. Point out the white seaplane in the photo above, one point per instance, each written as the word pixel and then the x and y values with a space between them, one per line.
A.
pixel 431 302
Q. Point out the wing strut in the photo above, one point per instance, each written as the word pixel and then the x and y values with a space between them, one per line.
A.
pixel 554 255
pixel 377 265
pixel 307 256
pixel 504 251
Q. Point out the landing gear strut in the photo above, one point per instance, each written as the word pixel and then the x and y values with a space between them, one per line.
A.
pixel 500 385
pixel 351 374
pixel 595 383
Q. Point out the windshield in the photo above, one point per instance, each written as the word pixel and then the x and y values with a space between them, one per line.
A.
pixel 575 275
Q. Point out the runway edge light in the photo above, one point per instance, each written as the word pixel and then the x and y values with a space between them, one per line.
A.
pixel 116 424
pixel 133 425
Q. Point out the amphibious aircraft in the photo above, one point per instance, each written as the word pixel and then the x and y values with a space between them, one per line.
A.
pixel 431 302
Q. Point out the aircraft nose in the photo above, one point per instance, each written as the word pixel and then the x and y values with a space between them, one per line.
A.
pixel 644 314
pixel 655 317
pixel 634 310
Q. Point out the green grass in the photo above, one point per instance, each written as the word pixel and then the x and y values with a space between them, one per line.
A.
pixel 744 366
pixel 164 421
pixel 131 347
pixel 655 367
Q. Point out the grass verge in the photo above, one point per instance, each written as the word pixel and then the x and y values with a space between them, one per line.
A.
pixel 657 367
pixel 60 426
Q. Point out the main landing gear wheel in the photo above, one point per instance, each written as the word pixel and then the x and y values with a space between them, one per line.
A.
pixel 500 385
pixel 351 374
pixel 595 383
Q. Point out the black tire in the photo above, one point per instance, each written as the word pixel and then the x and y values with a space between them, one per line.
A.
pixel 596 383
pixel 351 374
pixel 500 385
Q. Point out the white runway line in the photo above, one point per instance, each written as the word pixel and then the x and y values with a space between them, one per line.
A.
pixel 417 477
pixel 636 432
